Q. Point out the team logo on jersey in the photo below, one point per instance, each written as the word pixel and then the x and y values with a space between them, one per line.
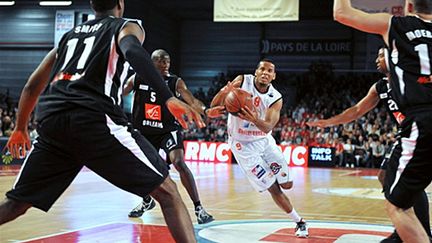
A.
pixel 258 171
pixel 153 112
pixel 275 167
pixel 170 144
pixel 238 146
pixel 257 101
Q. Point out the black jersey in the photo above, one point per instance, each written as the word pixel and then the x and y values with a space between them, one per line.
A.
pixel 89 70
pixel 384 93
pixel 410 44
pixel 150 114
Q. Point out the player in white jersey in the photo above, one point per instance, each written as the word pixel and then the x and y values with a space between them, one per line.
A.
pixel 251 142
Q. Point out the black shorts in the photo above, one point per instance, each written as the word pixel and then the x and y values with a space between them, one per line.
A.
pixel 166 141
pixel 408 176
pixel 69 141
pixel 392 156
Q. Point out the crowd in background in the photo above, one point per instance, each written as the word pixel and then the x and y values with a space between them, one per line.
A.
pixel 320 93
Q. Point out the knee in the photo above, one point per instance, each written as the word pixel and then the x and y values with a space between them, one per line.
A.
pixel 391 209
pixel 166 192
pixel 180 165
pixel 287 185
pixel 18 208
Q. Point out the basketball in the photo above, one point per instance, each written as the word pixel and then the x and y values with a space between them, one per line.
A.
pixel 237 99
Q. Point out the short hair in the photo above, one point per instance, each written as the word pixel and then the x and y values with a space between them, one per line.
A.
pixel 159 54
pixel 423 6
pixel 103 5
pixel 266 60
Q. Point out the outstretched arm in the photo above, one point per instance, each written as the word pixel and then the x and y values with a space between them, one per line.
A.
pixel 185 93
pixel 271 117
pixel 358 110
pixel 375 23
pixel 19 141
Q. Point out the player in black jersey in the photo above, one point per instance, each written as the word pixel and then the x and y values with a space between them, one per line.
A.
pixel 82 124
pixel 381 92
pixel 409 40
pixel 152 118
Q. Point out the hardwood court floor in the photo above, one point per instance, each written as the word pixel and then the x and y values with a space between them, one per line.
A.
pixel 336 195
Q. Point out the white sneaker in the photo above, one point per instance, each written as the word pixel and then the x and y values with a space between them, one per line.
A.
pixel 301 229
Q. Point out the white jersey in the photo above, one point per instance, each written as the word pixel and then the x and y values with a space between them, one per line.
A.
pixel 242 130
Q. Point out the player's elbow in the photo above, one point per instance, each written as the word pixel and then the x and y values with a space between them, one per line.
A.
pixel 339 15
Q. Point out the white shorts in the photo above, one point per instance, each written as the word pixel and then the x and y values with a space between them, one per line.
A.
pixel 262 161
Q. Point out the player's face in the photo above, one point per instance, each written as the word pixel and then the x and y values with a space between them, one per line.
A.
pixel 380 61
pixel 265 73
pixel 162 65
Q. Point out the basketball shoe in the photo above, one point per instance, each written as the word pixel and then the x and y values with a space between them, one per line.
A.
pixel 301 229
pixel 141 208
pixel 202 216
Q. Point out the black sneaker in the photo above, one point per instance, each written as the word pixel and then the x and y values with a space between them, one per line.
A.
pixel 393 238
pixel 202 216
pixel 141 208
pixel 301 229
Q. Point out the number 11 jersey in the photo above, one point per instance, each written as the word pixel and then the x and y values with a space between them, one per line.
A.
pixel 89 71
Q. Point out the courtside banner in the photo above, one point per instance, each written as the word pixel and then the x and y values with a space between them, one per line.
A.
pixel 64 21
pixel 394 7
pixel 207 152
pixel 295 155
pixel 255 10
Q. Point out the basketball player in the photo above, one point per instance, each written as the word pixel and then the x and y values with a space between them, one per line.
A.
pixel 251 141
pixel 153 120
pixel 81 122
pixel 380 91
pixel 410 45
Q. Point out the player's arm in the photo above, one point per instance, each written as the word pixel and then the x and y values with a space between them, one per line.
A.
pixel 185 93
pixel 19 141
pixel 219 98
pixel 130 41
pixel 128 86
pixel 358 110
pixel 195 103
pixel 271 117
pixel 376 23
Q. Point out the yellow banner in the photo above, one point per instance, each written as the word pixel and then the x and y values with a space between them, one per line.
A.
pixel 255 10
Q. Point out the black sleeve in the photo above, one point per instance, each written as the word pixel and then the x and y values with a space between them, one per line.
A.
pixel 142 64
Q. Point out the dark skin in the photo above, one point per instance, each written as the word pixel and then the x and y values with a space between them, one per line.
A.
pixel 174 210
pixel 176 156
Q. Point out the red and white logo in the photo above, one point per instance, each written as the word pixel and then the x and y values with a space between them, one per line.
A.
pixel 153 112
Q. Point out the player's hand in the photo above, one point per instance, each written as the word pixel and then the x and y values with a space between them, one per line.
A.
pixel 215 111
pixel 18 144
pixel 179 109
pixel 227 88
pixel 247 114
pixel 318 123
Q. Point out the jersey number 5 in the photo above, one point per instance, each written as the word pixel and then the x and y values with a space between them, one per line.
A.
pixel 71 46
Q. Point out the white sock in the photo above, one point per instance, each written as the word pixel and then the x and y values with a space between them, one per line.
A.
pixel 294 216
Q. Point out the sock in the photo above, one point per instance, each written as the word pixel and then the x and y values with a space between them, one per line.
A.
pixel 421 209
pixel 197 204
pixel 147 199
pixel 294 216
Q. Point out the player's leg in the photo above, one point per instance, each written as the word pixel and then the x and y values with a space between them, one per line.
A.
pixel 174 211
pixel 421 210
pixel 408 181
pixel 147 203
pixel 47 171
pixel 172 143
pixel 11 209
pixel 279 167
pixel 125 158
